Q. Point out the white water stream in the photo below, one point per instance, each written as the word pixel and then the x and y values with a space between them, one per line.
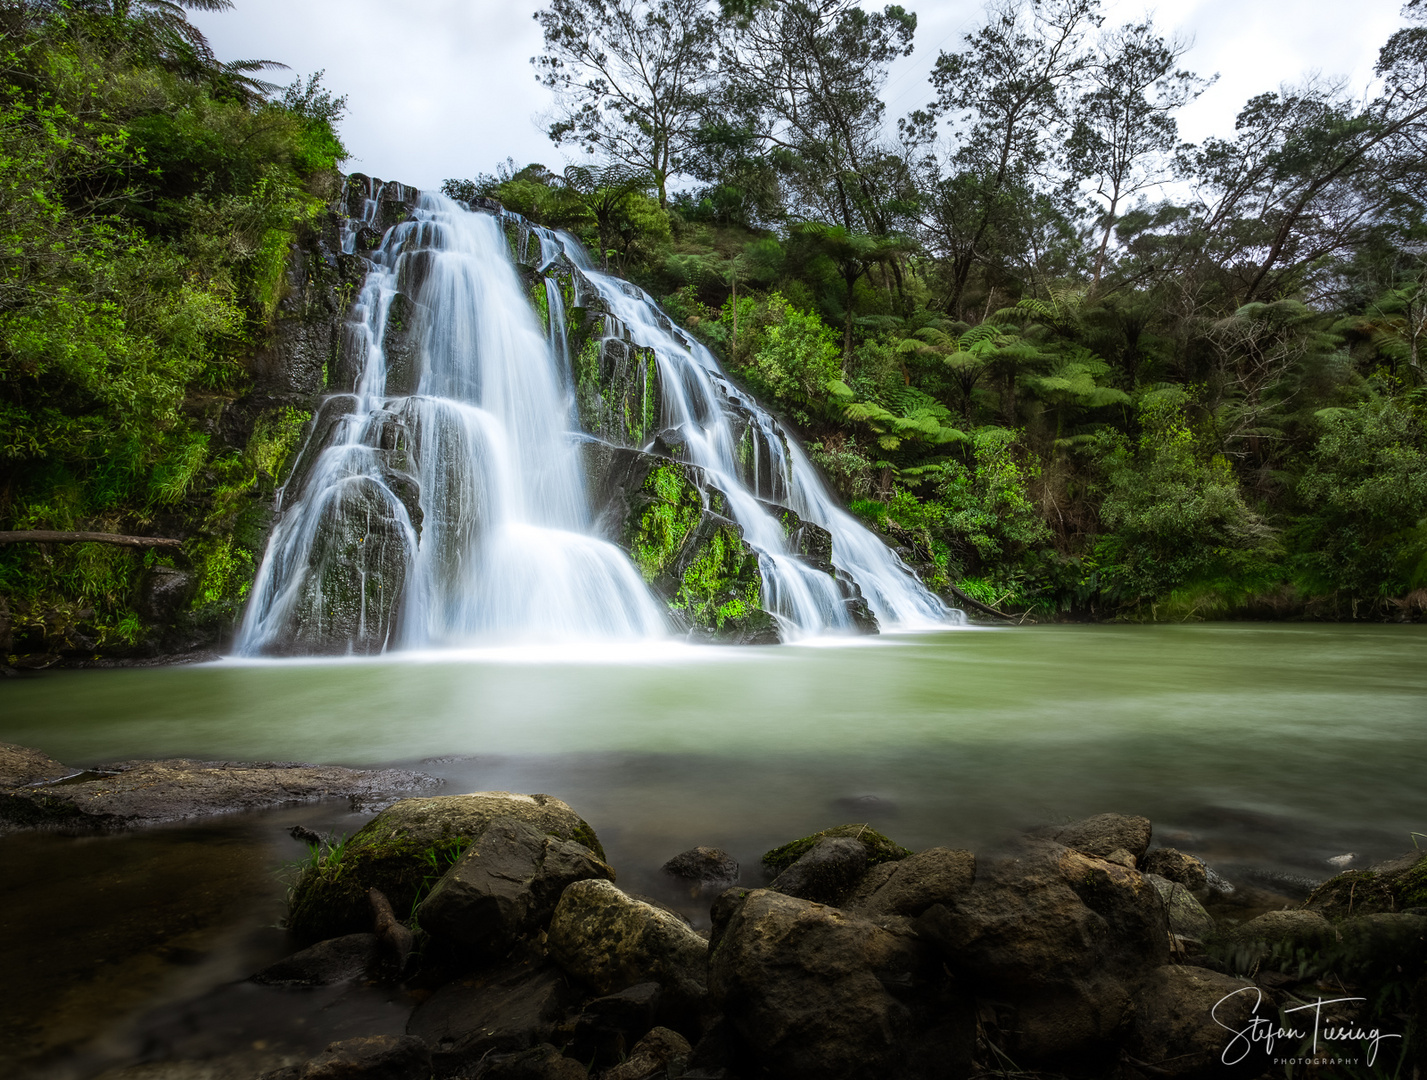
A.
pixel 502 549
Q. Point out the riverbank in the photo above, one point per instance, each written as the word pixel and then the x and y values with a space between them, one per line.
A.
pixel 521 950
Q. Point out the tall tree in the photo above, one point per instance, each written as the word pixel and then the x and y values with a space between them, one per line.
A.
pixel 1008 97
pixel 1125 131
pixel 807 74
pixel 630 78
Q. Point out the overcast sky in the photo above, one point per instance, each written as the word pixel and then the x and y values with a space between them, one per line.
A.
pixel 443 88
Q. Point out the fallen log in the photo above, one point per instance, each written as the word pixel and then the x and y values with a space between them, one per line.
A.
pixel 51 536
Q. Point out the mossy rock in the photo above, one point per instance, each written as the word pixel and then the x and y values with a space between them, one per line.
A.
pixel 406 848
pixel 879 848
pixel 1387 887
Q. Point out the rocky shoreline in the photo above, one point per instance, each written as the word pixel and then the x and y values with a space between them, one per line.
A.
pixel 495 923
pixel 37 792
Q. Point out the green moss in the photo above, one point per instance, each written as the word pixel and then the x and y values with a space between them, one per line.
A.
pixel 664 524
pixel 1413 890
pixel 583 834
pixel 718 587
pixel 541 302
pixel 586 368
pixel 879 848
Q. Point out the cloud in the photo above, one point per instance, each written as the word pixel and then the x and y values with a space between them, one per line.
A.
pixel 442 88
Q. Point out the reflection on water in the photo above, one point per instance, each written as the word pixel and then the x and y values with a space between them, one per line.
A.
pixel 1265 747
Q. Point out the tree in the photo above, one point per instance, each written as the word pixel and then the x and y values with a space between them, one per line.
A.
pixel 1008 97
pixel 806 74
pixel 1125 129
pixel 630 78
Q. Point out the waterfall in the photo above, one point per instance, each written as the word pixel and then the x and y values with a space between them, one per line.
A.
pixel 442 500
pixel 498 545
pixel 698 401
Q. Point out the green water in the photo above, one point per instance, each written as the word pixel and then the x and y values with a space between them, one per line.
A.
pixel 955 735
pixel 1265 749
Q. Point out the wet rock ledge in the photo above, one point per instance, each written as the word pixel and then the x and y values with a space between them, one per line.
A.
pixel 37 792
pixel 1076 950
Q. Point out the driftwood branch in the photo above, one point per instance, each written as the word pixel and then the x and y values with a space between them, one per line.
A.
pixel 985 609
pixel 50 536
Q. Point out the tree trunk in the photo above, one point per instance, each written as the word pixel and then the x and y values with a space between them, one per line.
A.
pixel 50 536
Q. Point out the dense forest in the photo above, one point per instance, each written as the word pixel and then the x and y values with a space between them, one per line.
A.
pixel 1070 364
pixel 150 196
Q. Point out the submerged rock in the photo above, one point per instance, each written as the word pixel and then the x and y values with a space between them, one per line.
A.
pixel 135 793
pixel 398 850
pixel 335 960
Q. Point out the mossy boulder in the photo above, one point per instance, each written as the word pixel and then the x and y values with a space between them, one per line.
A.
pixel 879 848
pixel 1390 886
pixel 406 849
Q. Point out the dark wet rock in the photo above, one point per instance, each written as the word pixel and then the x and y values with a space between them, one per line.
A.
pixel 826 872
pixel 164 592
pixel 879 848
pixel 401 346
pixel 706 870
pixel 1076 1025
pixel 606 1027
pixel 1389 886
pixel 1102 835
pixel 617 390
pixel 134 793
pixel 543 1062
pixel 335 960
pixel 1047 916
pixel 365 541
pixel 661 1053
pixel 870 807
pixel 610 941
pixel 20 765
pixel 373 1057
pixel 862 892
pixel 934 876
pixel 1185 1017
pixel 393 853
pixel 505 886
pixel 492 1010
pixel 1176 866
pixel 1186 914
pixel 810 991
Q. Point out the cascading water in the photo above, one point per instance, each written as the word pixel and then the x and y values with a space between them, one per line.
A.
pixel 698 398
pixel 499 545
pixel 442 501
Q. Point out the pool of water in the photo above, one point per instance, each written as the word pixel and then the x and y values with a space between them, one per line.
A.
pixel 1269 748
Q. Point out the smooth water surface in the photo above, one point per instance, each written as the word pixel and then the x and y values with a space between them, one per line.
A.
pixel 960 733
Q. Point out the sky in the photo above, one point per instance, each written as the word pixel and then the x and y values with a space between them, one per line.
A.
pixel 444 88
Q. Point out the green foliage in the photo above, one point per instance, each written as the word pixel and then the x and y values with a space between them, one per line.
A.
pixel 150 199
pixel 785 355
pixel 1364 491
pixel 1176 516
